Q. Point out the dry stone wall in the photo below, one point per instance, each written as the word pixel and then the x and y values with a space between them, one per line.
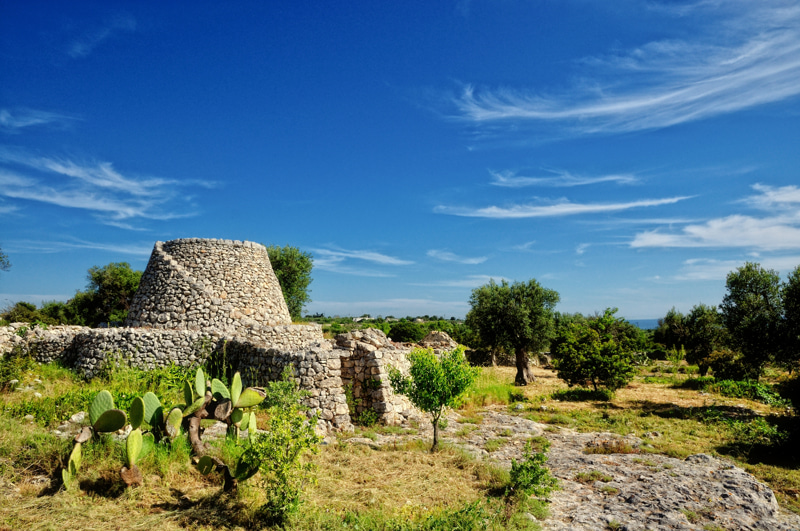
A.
pixel 315 364
pixel 366 357
pixel 197 284
pixel 206 299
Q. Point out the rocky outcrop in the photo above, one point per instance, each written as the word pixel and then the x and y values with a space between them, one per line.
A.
pixel 438 341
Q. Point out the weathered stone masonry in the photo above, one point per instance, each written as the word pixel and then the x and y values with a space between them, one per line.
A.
pixel 207 298
pixel 196 284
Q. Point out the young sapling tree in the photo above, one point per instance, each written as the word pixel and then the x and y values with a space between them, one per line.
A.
pixel 434 383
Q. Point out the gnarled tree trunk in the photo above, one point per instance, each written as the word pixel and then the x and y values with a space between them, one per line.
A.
pixel 524 371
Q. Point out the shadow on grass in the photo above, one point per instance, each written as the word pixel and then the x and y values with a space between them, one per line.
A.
pixel 580 394
pixel 106 486
pixel 219 510
pixel 755 439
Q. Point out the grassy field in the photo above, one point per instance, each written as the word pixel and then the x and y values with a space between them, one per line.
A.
pixel 400 486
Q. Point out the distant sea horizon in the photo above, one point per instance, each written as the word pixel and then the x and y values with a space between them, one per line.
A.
pixel 645 324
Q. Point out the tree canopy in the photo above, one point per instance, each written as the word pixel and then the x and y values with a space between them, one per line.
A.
pixel 704 335
pixel 752 311
pixel 293 269
pixel 518 317
pixel 790 353
pixel 434 383
pixel 107 298
pixel 596 351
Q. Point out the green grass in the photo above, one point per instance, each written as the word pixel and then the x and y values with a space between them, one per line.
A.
pixel 492 445
pixel 580 394
pixel 490 388
pixel 592 476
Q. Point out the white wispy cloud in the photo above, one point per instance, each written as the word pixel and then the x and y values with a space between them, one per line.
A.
pixel 749 55
pixel 86 43
pixel 524 246
pixel 447 256
pixel 510 179
pixel 717 270
pixel 50 246
pixel 769 234
pixel 338 261
pixel 780 231
pixel 13 121
pixel 95 187
pixel 562 208
pixel 471 281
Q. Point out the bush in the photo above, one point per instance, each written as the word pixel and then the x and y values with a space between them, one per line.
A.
pixel 748 389
pixel 278 452
pixel 434 383
pixel 581 394
pixel 593 352
pixel 728 365
pixel 406 332
pixel 529 476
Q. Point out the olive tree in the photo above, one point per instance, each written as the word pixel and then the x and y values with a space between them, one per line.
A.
pixel 517 317
pixel 672 331
pixel 434 383
pixel 752 312
pixel 791 309
pixel 293 269
pixel 705 334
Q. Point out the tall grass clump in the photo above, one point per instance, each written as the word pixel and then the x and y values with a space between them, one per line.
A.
pixel 490 387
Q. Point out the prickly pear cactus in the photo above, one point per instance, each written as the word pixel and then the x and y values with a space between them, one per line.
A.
pixel 103 417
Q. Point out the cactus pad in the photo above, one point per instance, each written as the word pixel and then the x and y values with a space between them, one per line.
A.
pixel 188 393
pixel 66 478
pixel 236 388
pixel 194 407
pixel 153 413
pixel 244 421
pixel 252 396
pixel 75 459
pixel 244 470
pixel 219 390
pixel 200 382
pixel 205 465
pixel 133 446
pixel 136 415
pixel 101 403
pixel 110 421
pixel 173 424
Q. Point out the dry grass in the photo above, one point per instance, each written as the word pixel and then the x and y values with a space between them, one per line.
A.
pixel 396 481
pixel 406 481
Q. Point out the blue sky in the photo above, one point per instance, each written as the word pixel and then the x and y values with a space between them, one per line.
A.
pixel 627 154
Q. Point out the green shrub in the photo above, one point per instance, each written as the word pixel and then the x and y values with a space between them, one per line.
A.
pixel 593 352
pixel 434 383
pixel 278 452
pixel 529 476
pixel 755 432
pixel 406 332
pixel 748 389
pixel 728 365
pixel 15 365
